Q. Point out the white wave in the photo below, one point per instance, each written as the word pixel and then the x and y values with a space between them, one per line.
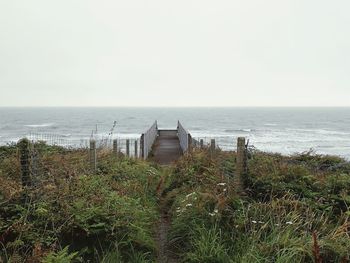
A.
pixel 39 125
pixel 126 135
pixel 318 131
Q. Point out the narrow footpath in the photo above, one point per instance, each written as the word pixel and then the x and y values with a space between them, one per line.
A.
pixel 164 251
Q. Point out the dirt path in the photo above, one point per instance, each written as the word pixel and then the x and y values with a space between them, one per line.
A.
pixel 164 253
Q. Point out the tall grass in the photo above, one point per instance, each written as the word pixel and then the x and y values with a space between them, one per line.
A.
pixel 75 215
pixel 287 200
pixel 293 208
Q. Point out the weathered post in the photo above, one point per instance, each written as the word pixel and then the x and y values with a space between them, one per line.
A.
pixel 93 157
pixel 240 163
pixel 115 146
pixel 128 147
pixel 189 142
pixel 212 145
pixel 136 150
pixel 24 157
pixel 142 146
pixel 201 143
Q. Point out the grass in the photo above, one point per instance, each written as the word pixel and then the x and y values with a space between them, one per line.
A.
pixel 287 200
pixel 293 208
pixel 73 215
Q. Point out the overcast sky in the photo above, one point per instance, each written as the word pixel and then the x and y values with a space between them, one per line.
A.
pixel 175 53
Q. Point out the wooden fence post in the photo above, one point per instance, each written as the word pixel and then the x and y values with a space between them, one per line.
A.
pixel 142 146
pixel 93 157
pixel 240 162
pixel 212 145
pixel 189 142
pixel 115 146
pixel 24 157
pixel 201 143
pixel 128 147
pixel 136 150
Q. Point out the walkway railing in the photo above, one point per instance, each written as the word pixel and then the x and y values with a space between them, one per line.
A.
pixel 184 137
pixel 147 140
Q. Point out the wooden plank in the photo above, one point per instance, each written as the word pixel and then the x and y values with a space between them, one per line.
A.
pixel 166 149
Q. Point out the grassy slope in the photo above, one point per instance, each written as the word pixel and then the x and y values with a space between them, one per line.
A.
pixel 105 216
pixel 295 209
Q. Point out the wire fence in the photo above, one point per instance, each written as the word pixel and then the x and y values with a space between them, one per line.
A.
pixel 127 145
pixel 130 146
pixel 46 158
pixel 225 143
pixel 47 155
pixel 43 159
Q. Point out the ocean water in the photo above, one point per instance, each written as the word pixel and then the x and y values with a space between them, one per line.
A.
pixel 284 130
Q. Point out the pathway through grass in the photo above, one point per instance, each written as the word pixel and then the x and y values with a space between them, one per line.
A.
pixel 165 255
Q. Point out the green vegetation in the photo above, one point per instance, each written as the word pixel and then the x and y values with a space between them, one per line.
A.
pixel 293 209
pixel 73 215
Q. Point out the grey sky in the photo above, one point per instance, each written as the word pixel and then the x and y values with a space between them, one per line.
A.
pixel 175 53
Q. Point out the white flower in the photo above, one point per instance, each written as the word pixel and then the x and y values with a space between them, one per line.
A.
pixel 221 184
pixel 216 211
pixel 187 196
pixel 254 222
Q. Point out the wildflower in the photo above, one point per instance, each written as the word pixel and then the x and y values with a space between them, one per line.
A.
pixel 216 211
pixel 221 184
pixel 289 223
pixel 187 196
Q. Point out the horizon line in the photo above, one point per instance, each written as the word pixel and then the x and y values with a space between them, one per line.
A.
pixel 147 106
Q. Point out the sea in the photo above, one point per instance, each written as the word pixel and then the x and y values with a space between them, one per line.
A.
pixel 282 130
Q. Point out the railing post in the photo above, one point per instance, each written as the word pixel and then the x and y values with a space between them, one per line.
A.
pixel 93 157
pixel 201 143
pixel 128 147
pixel 240 162
pixel 115 146
pixel 25 162
pixel 136 150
